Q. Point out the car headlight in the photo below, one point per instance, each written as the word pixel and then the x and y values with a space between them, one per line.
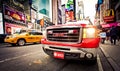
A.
pixel 89 33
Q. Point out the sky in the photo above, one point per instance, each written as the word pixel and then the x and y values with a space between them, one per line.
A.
pixel 89 8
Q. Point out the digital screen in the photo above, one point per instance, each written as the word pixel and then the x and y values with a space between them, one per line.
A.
pixel 1 24
pixel 14 15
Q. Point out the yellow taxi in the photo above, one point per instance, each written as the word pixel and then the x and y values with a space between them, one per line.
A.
pixel 24 37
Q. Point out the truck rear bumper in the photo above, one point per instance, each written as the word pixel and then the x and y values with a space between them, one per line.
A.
pixel 71 52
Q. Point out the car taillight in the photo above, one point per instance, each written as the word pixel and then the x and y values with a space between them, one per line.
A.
pixel 89 33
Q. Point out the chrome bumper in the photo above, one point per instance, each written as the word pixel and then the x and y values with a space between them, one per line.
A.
pixel 72 51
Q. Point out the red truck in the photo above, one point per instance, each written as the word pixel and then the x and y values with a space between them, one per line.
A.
pixel 71 41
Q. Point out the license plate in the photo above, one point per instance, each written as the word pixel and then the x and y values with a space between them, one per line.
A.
pixel 59 55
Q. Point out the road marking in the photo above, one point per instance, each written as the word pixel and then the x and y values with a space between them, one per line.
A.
pixel 13 58
pixel 47 56
pixel 37 61
pixel 99 63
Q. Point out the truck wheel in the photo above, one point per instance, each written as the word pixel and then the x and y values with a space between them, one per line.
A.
pixel 21 42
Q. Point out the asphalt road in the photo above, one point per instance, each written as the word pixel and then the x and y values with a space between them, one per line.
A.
pixel 32 58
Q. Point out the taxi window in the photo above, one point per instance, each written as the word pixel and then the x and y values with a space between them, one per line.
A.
pixel 32 33
pixel 39 33
pixel 35 33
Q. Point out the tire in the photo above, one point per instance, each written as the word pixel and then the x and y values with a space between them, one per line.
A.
pixel 21 42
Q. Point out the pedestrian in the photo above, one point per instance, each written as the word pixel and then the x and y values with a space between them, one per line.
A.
pixel 103 35
pixel 113 35
pixel 107 34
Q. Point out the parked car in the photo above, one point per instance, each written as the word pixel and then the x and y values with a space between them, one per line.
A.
pixel 24 37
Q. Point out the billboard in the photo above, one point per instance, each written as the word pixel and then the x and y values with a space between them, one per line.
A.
pixel 69 10
pixel 13 15
pixel 108 15
pixel 11 28
pixel 1 24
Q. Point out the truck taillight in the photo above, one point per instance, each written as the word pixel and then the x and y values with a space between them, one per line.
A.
pixel 89 33
pixel 73 31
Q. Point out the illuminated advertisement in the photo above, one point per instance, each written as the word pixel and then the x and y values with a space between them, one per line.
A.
pixel 14 15
pixel 109 15
pixel 1 24
pixel 12 28
pixel 109 25
pixel 69 16
pixel 69 11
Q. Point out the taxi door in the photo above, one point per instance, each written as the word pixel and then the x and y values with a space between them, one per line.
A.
pixel 38 36
pixel 31 37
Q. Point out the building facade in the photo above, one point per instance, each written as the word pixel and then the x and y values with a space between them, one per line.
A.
pixel 13 15
pixel 19 14
pixel 109 13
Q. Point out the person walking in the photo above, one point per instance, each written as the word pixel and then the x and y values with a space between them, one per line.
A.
pixel 103 35
pixel 113 35
pixel 107 34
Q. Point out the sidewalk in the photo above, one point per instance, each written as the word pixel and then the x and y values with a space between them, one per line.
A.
pixel 112 53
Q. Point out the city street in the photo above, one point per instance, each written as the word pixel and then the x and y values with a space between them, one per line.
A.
pixel 32 58
pixel 64 29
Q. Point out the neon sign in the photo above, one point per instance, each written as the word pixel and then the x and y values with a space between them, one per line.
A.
pixel 108 15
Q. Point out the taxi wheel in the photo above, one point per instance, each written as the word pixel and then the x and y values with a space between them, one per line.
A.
pixel 21 42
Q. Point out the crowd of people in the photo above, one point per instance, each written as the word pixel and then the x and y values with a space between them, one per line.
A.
pixel 112 34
